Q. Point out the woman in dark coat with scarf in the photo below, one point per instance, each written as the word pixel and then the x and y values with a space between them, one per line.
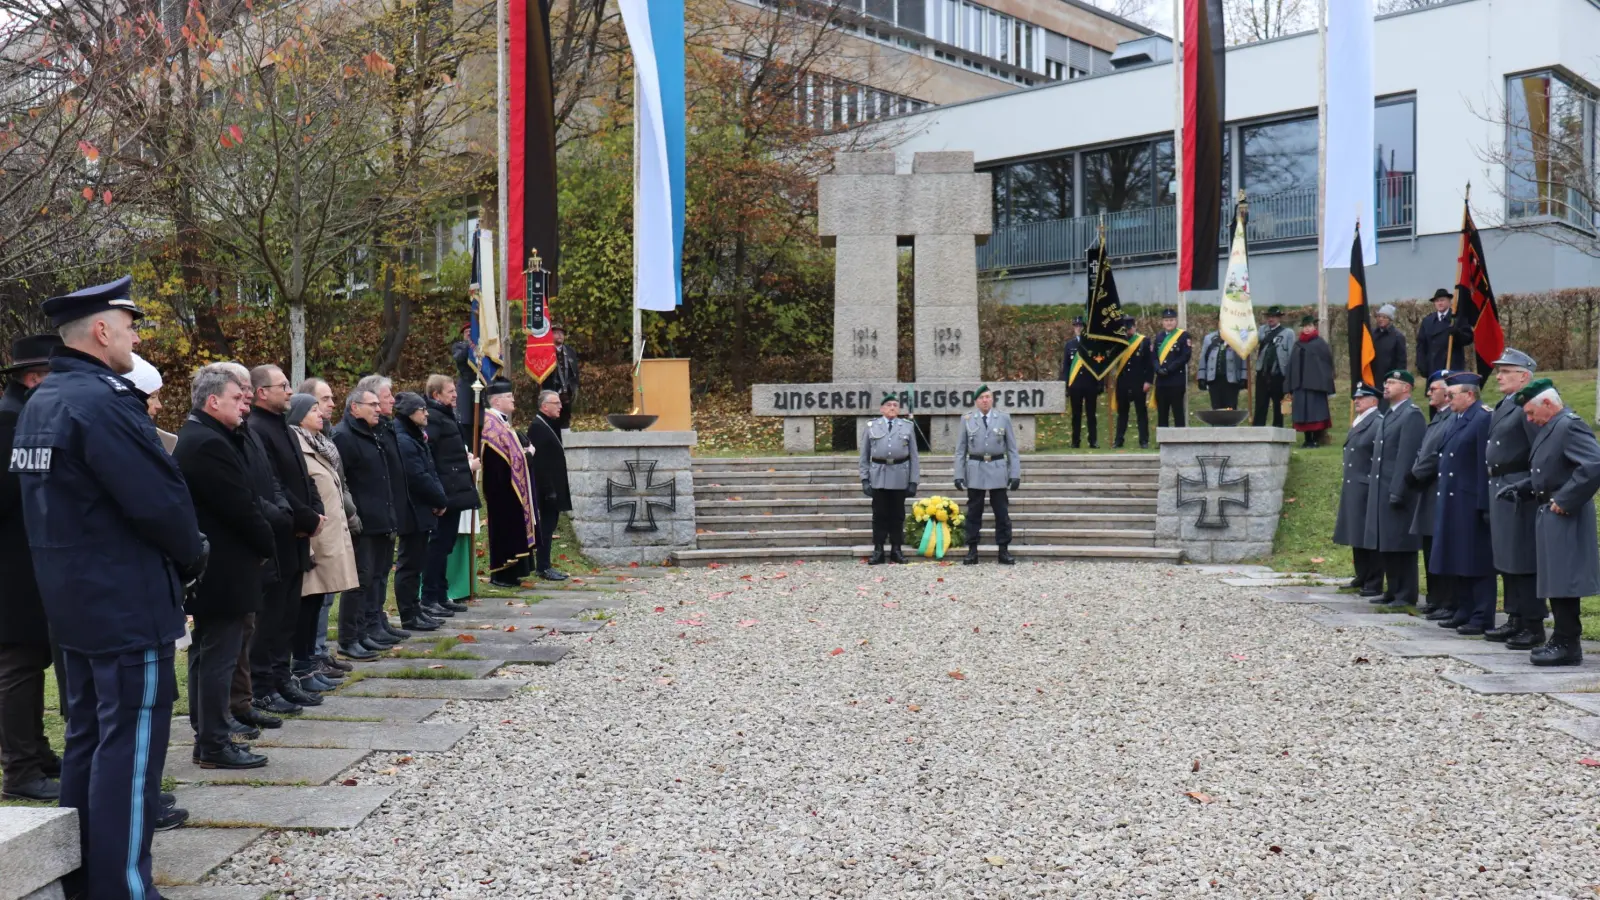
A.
pixel 428 502
pixel 1310 383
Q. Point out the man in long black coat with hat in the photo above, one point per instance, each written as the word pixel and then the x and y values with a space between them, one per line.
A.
pixel 1435 349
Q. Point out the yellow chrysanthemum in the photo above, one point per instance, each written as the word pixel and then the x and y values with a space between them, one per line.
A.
pixel 958 520
pixel 941 515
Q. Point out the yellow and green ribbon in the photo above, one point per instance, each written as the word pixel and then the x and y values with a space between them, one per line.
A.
pixel 935 539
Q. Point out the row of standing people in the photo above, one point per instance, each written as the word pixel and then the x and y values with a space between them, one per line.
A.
pixel 1481 494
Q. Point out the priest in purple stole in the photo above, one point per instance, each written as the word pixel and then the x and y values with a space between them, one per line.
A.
pixel 507 490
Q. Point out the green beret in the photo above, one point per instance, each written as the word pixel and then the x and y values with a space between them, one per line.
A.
pixel 982 389
pixel 1400 375
pixel 889 397
pixel 1534 389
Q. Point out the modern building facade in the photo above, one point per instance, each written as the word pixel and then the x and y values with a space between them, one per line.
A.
pixel 1499 94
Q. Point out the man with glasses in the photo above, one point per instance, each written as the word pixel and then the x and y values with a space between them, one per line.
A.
pixel 1461 548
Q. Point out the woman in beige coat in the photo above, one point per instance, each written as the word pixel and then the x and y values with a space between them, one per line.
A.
pixel 333 554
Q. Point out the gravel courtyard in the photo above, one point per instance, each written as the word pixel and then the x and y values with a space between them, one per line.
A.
pixel 1049 730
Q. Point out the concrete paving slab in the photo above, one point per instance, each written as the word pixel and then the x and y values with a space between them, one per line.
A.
pixel 1360 619
pixel 1411 630
pixel 288 765
pixel 580 602
pixel 1517 662
pixel 186 855
pixel 1548 682
pixel 1301 595
pixel 1589 703
pixel 440 689
pixel 214 892
pixel 538 655
pixel 1248 582
pixel 388 668
pixel 1586 729
pixel 1341 603
pixel 542 623
pixel 1241 570
pixel 337 708
pixel 432 737
pixel 1443 647
pixel 238 806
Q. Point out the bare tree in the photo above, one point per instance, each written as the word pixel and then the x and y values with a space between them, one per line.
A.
pixel 1141 12
pixel 1249 21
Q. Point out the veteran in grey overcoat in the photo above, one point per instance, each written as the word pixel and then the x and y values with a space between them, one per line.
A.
pixel 1391 503
pixel 987 467
pixel 1565 477
pixel 1349 528
pixel 1511 521
pixel 1424 475
pixel 890 470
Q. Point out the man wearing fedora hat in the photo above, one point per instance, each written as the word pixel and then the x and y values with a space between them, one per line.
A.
pixel 1435 350
pixel 30 765
pixel 1272 368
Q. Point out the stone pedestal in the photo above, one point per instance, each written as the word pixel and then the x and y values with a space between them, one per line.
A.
pixel 799 435
pixel 632 494
pixel 1221 491
pixel 38 846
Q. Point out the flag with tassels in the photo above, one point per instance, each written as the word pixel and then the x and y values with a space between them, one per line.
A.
pixel 485 325
pixel 1362 351
pixel 1236 322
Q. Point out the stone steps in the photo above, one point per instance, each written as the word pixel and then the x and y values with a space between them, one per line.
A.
pixel 1086 461
pixel 859 503
pixel 756 555
pixel 930 475
pixel 861 518
pixel 859 537
pixel 711 493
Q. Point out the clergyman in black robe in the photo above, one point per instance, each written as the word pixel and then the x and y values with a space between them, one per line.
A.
pixel 508 491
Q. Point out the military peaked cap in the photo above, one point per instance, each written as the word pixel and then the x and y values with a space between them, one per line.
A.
pixel 1515 357
pixel 1458 379
pixel 1363 390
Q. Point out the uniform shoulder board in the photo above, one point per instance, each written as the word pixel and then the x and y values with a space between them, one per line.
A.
pixel 1487 407
pixel 117 384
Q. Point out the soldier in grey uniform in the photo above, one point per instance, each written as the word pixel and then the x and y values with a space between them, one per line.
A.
pixel 1349 529
pixel 1511 520
pixel 1422 477
pixel 889 474
pixel 987 464
pixel 1565 476
pixel 1391 502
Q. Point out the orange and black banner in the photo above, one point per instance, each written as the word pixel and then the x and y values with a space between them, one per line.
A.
pixel 1204 118
pixel 1361 350
pixel 531 221
pixel 1475 304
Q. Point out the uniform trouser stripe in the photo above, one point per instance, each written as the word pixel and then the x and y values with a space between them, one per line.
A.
pixel 141 763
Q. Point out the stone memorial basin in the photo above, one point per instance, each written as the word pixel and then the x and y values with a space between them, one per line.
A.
pixel 1222 418
pixel 630 421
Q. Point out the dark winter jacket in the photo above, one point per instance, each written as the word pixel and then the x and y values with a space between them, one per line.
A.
pixel 549 465
pixel 269 499
pixel 305 505
pixel 21 612
pixel 424 493
pixel 212 460
pixel 404 521
pixel 367 474
pixel 449 448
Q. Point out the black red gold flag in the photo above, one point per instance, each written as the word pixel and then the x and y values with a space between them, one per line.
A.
pixel 1474 307
pixel 531 220
pixel 1204 117
pixel 1359 327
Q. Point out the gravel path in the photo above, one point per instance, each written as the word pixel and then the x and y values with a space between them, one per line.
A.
pixel 938 731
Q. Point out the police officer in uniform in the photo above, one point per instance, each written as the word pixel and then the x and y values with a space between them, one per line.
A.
pixel 114 544
pixel 1566 474
pixel 1349 529
pixel 1422 478
pixel 1172 352
pixel 1083 389
pixel 1511 520
pixel 1391 501
pixel 890 470
pixel 987 464
pixel 1461 548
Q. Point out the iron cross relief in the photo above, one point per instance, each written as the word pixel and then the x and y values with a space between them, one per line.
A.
pixel 641 496
pixel 1213 492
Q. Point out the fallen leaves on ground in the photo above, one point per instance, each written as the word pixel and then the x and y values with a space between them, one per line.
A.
pixel 467 638
pixel 1199 797
pixel 1589 761
pixel 958 675
pixel 749 623
pixel 836 651
pixel 995 860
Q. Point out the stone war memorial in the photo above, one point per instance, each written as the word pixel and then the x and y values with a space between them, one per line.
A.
pixel 867 211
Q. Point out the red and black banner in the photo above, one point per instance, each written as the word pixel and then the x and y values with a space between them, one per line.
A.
pixel 1358 325
pixel 1204 83
pixel 1474 308
pixel 531 222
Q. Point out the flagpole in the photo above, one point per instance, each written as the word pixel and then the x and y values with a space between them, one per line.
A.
pixel 638 255
pixel 1322 164
pixel 503 139
pixel 1177 143
pixel 1455 300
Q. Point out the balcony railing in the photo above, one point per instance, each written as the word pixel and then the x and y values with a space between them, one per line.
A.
pixel 1283 219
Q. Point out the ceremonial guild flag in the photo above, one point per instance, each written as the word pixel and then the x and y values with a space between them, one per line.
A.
pixel 1204 98
pixel 485 311
pixel 540 355
pixel 531 214
pixel 1236 323
pixel 1104 336
pixel 1475 304
pixel 1351 193
pixel 1362 351
pixel 655 34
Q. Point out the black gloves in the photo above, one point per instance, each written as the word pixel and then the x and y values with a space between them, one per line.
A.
pixel 1485 516
pixel 1522 490
pixel 961 484
pixel 911 490
pixel 1013 484
pixel 1397 502
pixel 1202 385
pixel 866 487
pixel 1413 482
pixel 193 571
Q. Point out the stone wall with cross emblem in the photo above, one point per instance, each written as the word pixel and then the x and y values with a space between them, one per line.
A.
pixel 1221 491
pixel 632 494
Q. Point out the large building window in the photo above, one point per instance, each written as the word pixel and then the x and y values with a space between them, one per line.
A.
pixel 1279 156
pixel 1551 149
pixel 978 29
pixel 1395 130
pixel 1035 191
pixel 1118 178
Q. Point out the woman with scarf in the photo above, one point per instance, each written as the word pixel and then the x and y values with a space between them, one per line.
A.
pixel 1310 382
pixel 333 553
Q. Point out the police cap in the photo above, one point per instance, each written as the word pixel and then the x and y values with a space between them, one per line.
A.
pixel 1516 358
pixel 1169 313
pixel 90 300
pixel 31 351
pixel 1458 379
pixel 1441 375
pixel 1363 390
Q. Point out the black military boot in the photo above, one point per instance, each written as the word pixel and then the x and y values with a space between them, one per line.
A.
pixel 972 555
pixel 1530 636
pixel 877 557
pixel 1501 633
pixel 1560 651
pixel 1005 557
pixel 897 557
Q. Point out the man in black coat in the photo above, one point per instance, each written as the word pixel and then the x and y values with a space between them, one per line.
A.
pixel 426 497
pixel 1083 389
pixel 246 706
pixel 1133 380
pixel 549 479
pixel 1388 346
pixel 464 354
pixel 284 613
pixel 1172 349
pixel 455 465
pixel 1434 341
pixel 367 472
pixel 30 765
pixel 210 453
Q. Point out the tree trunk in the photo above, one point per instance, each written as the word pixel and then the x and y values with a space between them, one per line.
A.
pixel 395 320
pixel 741 317
pixel 297 341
